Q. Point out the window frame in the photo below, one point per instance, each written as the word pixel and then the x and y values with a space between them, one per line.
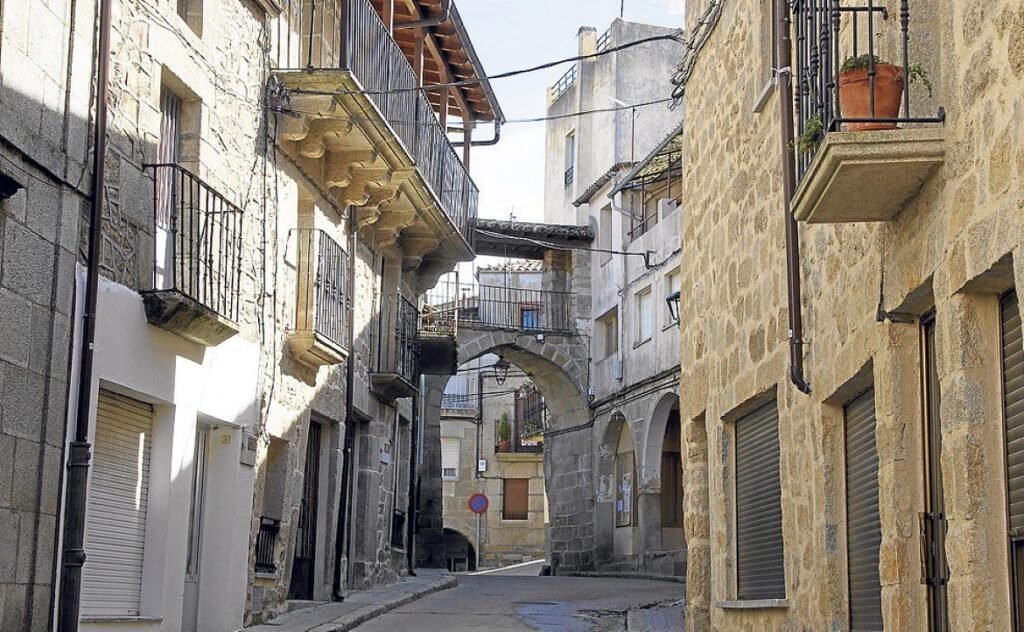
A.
pixel 506 513
pixel 642 296
pixel 458 458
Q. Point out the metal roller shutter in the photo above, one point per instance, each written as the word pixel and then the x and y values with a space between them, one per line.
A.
pixel 1013 388
pixel 760 567
pixel 115 532
pixel 863 526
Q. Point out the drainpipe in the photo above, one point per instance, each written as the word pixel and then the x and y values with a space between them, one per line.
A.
pixel 483 143
pixel 73 557
pixel 344 496
pixel 785 85
pixel 446 9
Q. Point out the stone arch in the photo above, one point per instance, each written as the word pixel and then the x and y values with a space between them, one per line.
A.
pixel 654 439
pixel 558 366
pixel 459 546
pixel 664 541
pixel 605 488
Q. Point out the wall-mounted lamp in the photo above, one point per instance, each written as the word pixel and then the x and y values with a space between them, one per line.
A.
pixel 500 371
pixel 673 306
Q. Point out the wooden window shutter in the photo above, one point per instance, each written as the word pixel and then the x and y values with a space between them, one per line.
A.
pixel 516 499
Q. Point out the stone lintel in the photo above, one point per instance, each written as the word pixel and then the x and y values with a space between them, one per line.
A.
pixel 867 176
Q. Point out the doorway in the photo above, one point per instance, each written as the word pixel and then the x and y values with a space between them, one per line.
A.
pixel 193 555
pixel 304 561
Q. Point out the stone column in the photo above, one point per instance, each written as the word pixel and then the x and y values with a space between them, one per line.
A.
pixel 430 550
pixel 696 525
pixel 968 350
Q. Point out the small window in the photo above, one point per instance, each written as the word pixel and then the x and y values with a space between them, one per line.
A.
pixel 768 56
pixel 515 499
pixel 609 332
pixel 451 449
pixel 529 317
pixel 191 11
pixel 645 316
pixel 605 234
pixel 570 157
pixel 672 285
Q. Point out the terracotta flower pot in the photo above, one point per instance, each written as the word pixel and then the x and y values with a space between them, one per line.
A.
pixel 855 96
pixel 504 445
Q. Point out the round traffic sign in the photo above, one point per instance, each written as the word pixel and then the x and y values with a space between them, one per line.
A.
pixel 478 503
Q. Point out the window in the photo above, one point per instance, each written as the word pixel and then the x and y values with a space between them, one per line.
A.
pixel 769 55
pixel 1013 415
pixel 605 233
pixel 570 157
pixel 645 315
pixel 863 524
pixel 459 394
pixel 609 332
pixel 760 571
pixel 529 317
pixel 515 499
pixel 672 285
pixel 451 449
pixel 191 11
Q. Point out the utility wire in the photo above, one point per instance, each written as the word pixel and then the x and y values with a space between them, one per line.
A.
pixel 676 36
pixel 544 244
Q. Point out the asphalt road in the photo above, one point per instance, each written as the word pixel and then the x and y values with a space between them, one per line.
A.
pixel 517 599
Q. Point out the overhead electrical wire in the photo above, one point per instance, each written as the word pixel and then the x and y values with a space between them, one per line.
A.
pixel 675 36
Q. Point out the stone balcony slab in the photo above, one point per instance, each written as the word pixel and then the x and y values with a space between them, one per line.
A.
pixel 314 349
pixel 190 319
pixel 867 176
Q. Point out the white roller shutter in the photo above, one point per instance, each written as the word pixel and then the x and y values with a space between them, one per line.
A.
pixel 115 531
pixel 450 449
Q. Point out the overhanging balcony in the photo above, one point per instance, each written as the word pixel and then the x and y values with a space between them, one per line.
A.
pixel 396 369
pixel 865 143
pixel 197 258
pixel 351 111
pixel 320 336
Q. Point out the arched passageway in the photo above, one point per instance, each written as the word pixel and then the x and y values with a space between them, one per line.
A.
pixel 459 552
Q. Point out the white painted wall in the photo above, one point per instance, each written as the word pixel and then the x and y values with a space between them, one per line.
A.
pixel 187 384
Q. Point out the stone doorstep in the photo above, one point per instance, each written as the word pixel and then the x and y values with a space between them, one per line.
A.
pixel 360 607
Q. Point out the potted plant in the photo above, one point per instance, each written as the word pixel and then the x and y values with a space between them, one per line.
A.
pixel 811 136
pixel 504 433
pixel 855 90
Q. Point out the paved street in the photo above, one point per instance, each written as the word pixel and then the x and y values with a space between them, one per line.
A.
pixel 509 601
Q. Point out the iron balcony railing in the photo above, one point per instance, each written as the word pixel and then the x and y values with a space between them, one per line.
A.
pixel 450 305
pixel 322 304
pixel 198 240
pixel 828 34
pixel 398 348
pixel 349 35
pixel 563 84
pixel 266 541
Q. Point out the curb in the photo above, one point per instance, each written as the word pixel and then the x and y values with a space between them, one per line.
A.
pixel 353 620
pixel 624 575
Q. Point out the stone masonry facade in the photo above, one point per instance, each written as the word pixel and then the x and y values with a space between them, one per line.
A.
pixel 951 251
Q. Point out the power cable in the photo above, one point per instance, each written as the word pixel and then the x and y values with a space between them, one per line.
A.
pixel 675 36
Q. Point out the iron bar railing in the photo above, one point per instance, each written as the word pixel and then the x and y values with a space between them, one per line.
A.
pixel 450 305
pixel 398 347
pixel 266 542
pixel 569 176
pixel 349 35
pixel 322 303
pixel 831 33
pixel 563 84
pixel 531 419
pixel 198 240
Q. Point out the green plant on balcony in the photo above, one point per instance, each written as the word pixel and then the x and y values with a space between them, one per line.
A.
pixel 811 136
pixel 855 90
pixel 504 433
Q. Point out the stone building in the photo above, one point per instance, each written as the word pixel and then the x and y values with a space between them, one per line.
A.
pixel 856 470
pixel 485 393
pixel 621 176
pixel 268 230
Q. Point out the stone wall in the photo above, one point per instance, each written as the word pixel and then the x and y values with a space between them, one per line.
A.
pixel 947 250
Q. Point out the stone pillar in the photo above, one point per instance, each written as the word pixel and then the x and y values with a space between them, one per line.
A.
pixel 430 551
pixel 968 345
pixel 648 507
pixel 696 525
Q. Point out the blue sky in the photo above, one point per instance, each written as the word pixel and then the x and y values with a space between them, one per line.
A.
pixel 512 35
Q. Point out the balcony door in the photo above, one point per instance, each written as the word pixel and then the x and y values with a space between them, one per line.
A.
pixel 168 152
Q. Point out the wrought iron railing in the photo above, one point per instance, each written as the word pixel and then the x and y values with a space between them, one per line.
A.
pixel 604 41
pixel 499 307
pixel 198 240
pixel 563 84
pixel 828 35
pixel 322 300
pixel 266 541
pixel 569 176
pixel 349 35
pixel 398 347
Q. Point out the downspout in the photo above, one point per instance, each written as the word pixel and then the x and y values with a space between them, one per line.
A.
pixel 484 143
pixel 344 501
pixel 785 85
pixel 73 557
pixel 446 9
